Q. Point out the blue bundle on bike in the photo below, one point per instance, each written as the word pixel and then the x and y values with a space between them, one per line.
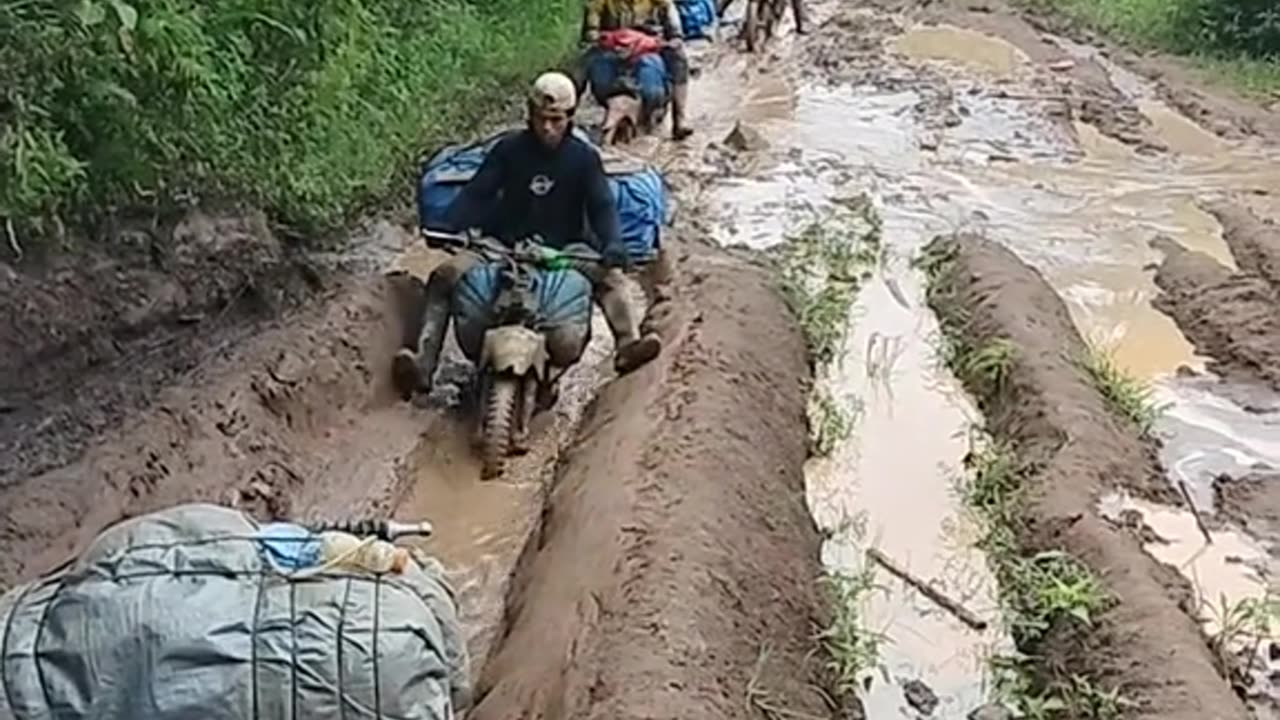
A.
pixel 563 298
pixel 697 17
pixel 649 73
pixel 638 190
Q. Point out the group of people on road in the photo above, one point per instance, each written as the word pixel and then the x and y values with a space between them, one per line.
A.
pixel 545 181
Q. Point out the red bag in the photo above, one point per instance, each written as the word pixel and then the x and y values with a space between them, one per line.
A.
pixel 633 43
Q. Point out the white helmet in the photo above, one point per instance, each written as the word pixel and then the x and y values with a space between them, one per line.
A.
pixel 553 91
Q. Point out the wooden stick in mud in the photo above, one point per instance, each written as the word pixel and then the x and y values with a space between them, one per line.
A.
pixel 961 613
pixel 1195 512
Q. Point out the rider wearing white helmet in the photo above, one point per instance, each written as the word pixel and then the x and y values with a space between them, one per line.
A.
pixel 538 181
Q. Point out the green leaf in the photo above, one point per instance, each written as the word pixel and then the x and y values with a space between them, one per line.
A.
pixel 127 14
pixel 90 13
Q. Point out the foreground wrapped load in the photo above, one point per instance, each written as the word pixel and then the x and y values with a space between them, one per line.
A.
pixel 198 612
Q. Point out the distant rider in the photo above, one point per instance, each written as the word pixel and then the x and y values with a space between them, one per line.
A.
pixel 651 16
pixel 797 9
pixel 541 180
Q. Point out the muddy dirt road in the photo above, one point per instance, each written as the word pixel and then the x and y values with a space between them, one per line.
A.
pixel 658 551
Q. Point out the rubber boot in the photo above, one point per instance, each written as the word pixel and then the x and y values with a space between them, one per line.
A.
pixel 679 105
pixel 414 372
pixel 631 349
pixel 802 22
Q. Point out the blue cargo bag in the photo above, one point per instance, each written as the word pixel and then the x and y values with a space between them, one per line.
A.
pixel 697 17
pixel 648 71
pixel 638 189
pixel 563 298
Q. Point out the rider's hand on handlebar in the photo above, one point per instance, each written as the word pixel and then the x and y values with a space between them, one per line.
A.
pixel 616 256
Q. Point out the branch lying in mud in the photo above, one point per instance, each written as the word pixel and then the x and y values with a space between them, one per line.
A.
pixel 1195 512
pixel 963 614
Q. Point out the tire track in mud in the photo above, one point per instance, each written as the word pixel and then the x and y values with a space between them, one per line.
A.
pixel 1070 449
pixel 698 595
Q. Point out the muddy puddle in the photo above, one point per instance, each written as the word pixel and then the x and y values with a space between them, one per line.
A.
pixel 1080 207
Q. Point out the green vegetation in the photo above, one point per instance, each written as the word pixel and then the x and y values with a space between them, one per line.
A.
pixel 821 268
pixel 1126 396
pixel 1238 40
pixel 853 648
pixel 830 422
pixel 1245 623
pixel 306 108
pixel 1042 592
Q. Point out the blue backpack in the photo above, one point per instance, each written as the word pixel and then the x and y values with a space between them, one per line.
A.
pixel 639 191
pixel 697 17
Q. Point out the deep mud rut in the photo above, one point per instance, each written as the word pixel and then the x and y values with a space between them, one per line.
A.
pixel 652 555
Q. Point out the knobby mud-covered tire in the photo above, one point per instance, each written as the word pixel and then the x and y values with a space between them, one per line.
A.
pixel 500 409
pixel 750 27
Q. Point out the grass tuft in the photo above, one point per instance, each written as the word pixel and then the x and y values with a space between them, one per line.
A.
pixel 853 648
pixel 1126 396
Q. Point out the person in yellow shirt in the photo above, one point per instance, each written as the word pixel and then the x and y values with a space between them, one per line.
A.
pixel 652 16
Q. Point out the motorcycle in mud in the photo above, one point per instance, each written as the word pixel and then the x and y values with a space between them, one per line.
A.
pixel 629 78
pixel 522 317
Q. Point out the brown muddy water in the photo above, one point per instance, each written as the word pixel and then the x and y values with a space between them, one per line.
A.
pixel 1076 204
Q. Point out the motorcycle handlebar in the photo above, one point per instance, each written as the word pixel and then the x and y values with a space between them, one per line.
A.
pixel 529 250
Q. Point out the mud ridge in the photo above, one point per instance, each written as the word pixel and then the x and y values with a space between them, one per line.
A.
pixel 1232 318
pixel 1254 243
pixel 676 573
pixel 90 337
pixel 293 421
pixel 1144 643
pixel 1252 503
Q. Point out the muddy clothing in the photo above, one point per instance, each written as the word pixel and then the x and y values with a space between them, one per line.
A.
pixel 414 366
pixel 524 188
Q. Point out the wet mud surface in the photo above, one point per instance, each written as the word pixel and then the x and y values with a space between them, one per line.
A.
pixel 1252 503
pixel 1059 424
pixel 1233 318
pixel 656 558
pixel 692 601
pixel 86 342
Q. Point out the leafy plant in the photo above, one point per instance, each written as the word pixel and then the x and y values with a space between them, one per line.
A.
pixel 308 108
pixel 1126 396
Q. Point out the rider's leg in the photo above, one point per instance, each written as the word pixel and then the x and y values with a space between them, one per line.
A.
pixel 678 65
pixel 414 371
pixel 631 349
pixel 802 21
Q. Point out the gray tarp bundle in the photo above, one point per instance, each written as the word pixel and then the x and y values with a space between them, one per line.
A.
pixel 177 615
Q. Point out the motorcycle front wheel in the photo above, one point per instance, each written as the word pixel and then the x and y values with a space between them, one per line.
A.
pixel 500 405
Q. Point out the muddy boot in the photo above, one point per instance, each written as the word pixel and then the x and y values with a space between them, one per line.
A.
pixel 632 354
pixel 679 105
pixel 631 349
pixel 414 372
pixel 802 22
